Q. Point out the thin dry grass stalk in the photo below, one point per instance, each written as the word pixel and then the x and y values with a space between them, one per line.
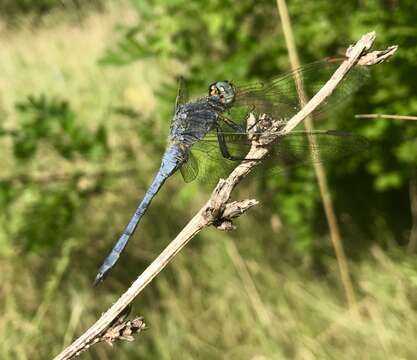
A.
pixel 213 212
pixel 385 116
pixel 319 170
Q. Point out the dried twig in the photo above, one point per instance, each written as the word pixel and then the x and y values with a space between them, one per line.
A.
pixel 120 329
pixel 213 212
pixel 385 116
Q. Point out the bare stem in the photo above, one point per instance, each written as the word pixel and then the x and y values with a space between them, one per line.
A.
pixel 385 116
pixel 213 211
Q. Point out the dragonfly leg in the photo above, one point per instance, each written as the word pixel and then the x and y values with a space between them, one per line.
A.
pixel 252 110
pixel 254 124
pixel 225 150
pixel 233 125
pixel 238 127
pixel 223 147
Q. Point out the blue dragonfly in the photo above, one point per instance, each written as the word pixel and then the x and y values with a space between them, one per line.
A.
pixel 215 126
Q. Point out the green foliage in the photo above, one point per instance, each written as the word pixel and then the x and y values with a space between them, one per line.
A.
pixel 201 33
pixel 9 9
pixel 26 6
pixel 78 154
pixel 49 213
pixel 42 120
pixel 49 219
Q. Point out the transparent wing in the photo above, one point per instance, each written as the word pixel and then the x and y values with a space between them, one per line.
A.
pixel 182 92
pixel 328 145
pixel 212 165
pixel 279 97
pixel 189 170
pixel 287 151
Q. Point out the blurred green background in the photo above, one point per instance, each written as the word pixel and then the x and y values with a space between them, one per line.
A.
pixel 86 98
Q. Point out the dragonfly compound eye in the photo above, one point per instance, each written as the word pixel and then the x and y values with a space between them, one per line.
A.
pixel 224 90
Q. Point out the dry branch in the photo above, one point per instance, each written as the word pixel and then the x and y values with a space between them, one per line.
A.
pixel 217 210
pixel 386 116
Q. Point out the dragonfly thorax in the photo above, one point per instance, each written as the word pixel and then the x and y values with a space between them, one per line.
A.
pixel 224 91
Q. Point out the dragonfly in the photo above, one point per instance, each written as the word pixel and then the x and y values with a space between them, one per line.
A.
pixel 215 127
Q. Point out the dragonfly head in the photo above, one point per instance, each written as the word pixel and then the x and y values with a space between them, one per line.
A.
pixel 224 90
